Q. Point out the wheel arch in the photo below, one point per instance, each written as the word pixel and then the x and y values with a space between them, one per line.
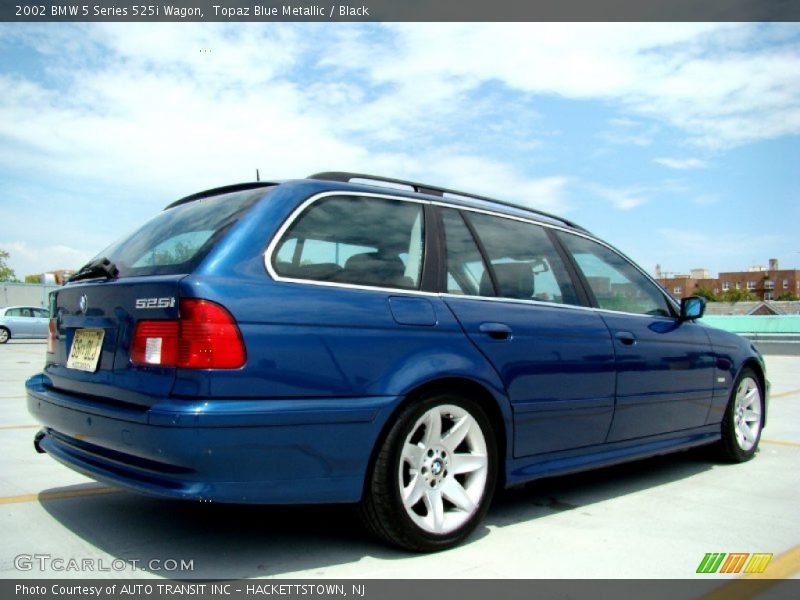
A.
pixel 497 410
pixel 756 366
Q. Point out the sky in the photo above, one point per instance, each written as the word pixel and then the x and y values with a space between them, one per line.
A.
pixel 679 143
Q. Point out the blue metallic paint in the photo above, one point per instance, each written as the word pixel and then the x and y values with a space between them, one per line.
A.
pixel 665 378
pixel 228 450
pixel 548 345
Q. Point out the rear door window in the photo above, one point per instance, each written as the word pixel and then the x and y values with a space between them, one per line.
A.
pixel 524 264
pixel 355 240
pixel 465 267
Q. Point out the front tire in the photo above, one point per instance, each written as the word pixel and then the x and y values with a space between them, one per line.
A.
pixel 434 476
pixel 743 420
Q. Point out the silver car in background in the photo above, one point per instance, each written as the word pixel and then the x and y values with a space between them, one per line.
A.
pixel 23 322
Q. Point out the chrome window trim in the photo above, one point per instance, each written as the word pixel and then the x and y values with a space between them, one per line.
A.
pixel 272 246
pixel 517 301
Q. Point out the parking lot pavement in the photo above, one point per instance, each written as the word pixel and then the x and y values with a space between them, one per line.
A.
pixel 651 519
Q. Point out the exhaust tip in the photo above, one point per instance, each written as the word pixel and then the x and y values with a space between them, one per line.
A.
pixel 37 441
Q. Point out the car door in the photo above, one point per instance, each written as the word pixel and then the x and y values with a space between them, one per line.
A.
pixel 665 366
pixel 512 293
pixel 40 322
pixel 19 322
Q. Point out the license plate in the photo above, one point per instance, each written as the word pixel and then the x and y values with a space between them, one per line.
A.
pixel 85 352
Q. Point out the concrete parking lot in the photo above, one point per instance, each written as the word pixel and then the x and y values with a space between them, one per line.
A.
pixel 651 519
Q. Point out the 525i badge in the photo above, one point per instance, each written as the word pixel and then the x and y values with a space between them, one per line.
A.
pixel 155 302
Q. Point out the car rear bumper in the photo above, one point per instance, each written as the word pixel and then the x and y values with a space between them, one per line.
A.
pixel 250 451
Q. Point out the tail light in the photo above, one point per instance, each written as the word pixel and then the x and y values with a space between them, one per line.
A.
pixel 52 336
pixel 204 337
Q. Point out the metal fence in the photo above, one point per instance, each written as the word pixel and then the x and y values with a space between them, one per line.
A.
pixel 25 294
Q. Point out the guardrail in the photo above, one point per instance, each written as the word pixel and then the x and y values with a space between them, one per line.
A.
pixel 778 334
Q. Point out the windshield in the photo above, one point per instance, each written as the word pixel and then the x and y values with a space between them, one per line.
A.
pixel 177 239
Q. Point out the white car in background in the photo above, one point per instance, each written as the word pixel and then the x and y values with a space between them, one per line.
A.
pixel 23 322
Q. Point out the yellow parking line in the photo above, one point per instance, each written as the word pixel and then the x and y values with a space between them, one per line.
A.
pixel 782 567
pixel 19 426
pixel 43 496
pixel 784 394
pixel 781 443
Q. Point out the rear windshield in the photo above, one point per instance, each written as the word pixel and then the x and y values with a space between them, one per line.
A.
pixel 177 239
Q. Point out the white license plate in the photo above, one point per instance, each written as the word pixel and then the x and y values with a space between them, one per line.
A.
pixel 85 352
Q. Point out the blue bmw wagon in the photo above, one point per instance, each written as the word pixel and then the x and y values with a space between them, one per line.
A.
pixel 353 339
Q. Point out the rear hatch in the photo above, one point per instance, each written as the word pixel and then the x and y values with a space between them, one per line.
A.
pixel 95 316
pixel 95 324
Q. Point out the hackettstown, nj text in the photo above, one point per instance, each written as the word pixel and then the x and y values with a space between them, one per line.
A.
pixel 192 589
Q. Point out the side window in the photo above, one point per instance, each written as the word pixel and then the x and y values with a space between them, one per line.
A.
pixel 14 312
pixel 523 260
pixel 465 267
pixel 40 313
pixel 355 240
pixel 615 282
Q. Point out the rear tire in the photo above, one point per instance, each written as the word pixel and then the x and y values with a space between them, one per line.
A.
pixel 744 417
pixel 434 476
pixel 5 335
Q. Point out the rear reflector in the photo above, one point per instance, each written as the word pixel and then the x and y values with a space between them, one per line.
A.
pixel 52 336
pixel 205 337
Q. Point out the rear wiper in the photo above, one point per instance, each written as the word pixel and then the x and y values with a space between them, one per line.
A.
pixel 102 267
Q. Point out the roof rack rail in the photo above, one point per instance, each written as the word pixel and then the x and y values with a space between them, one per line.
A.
pixel 225 189
pixel 424 188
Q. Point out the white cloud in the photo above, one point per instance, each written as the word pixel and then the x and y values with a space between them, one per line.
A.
pixel 706 199
pixel 160 115
pixel 28 260
pixel 718 82
pixel 681 163
pixel 623 198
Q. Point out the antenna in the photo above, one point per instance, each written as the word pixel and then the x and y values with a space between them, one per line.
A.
pixel 258 177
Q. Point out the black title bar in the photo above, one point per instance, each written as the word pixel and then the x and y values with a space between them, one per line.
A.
pixel 400 10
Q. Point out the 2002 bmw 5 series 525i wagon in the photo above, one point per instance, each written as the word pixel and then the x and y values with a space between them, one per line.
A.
pixel 409 348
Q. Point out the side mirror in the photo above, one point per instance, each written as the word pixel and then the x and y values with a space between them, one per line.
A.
pixel 692 307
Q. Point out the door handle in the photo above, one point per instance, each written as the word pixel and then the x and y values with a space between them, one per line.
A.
pixel 626 337
pixel 496 331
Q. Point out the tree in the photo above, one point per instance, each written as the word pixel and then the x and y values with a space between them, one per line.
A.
pixel 6 272
pixel 738 296
pixel 788 296
pixel 706 293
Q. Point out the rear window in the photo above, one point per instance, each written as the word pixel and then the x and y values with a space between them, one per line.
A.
pixel 177 239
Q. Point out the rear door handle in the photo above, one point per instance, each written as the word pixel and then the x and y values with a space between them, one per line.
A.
pixel 626 337
pixel 496 331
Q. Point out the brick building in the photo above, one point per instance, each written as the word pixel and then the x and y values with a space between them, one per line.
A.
pixel 765 283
